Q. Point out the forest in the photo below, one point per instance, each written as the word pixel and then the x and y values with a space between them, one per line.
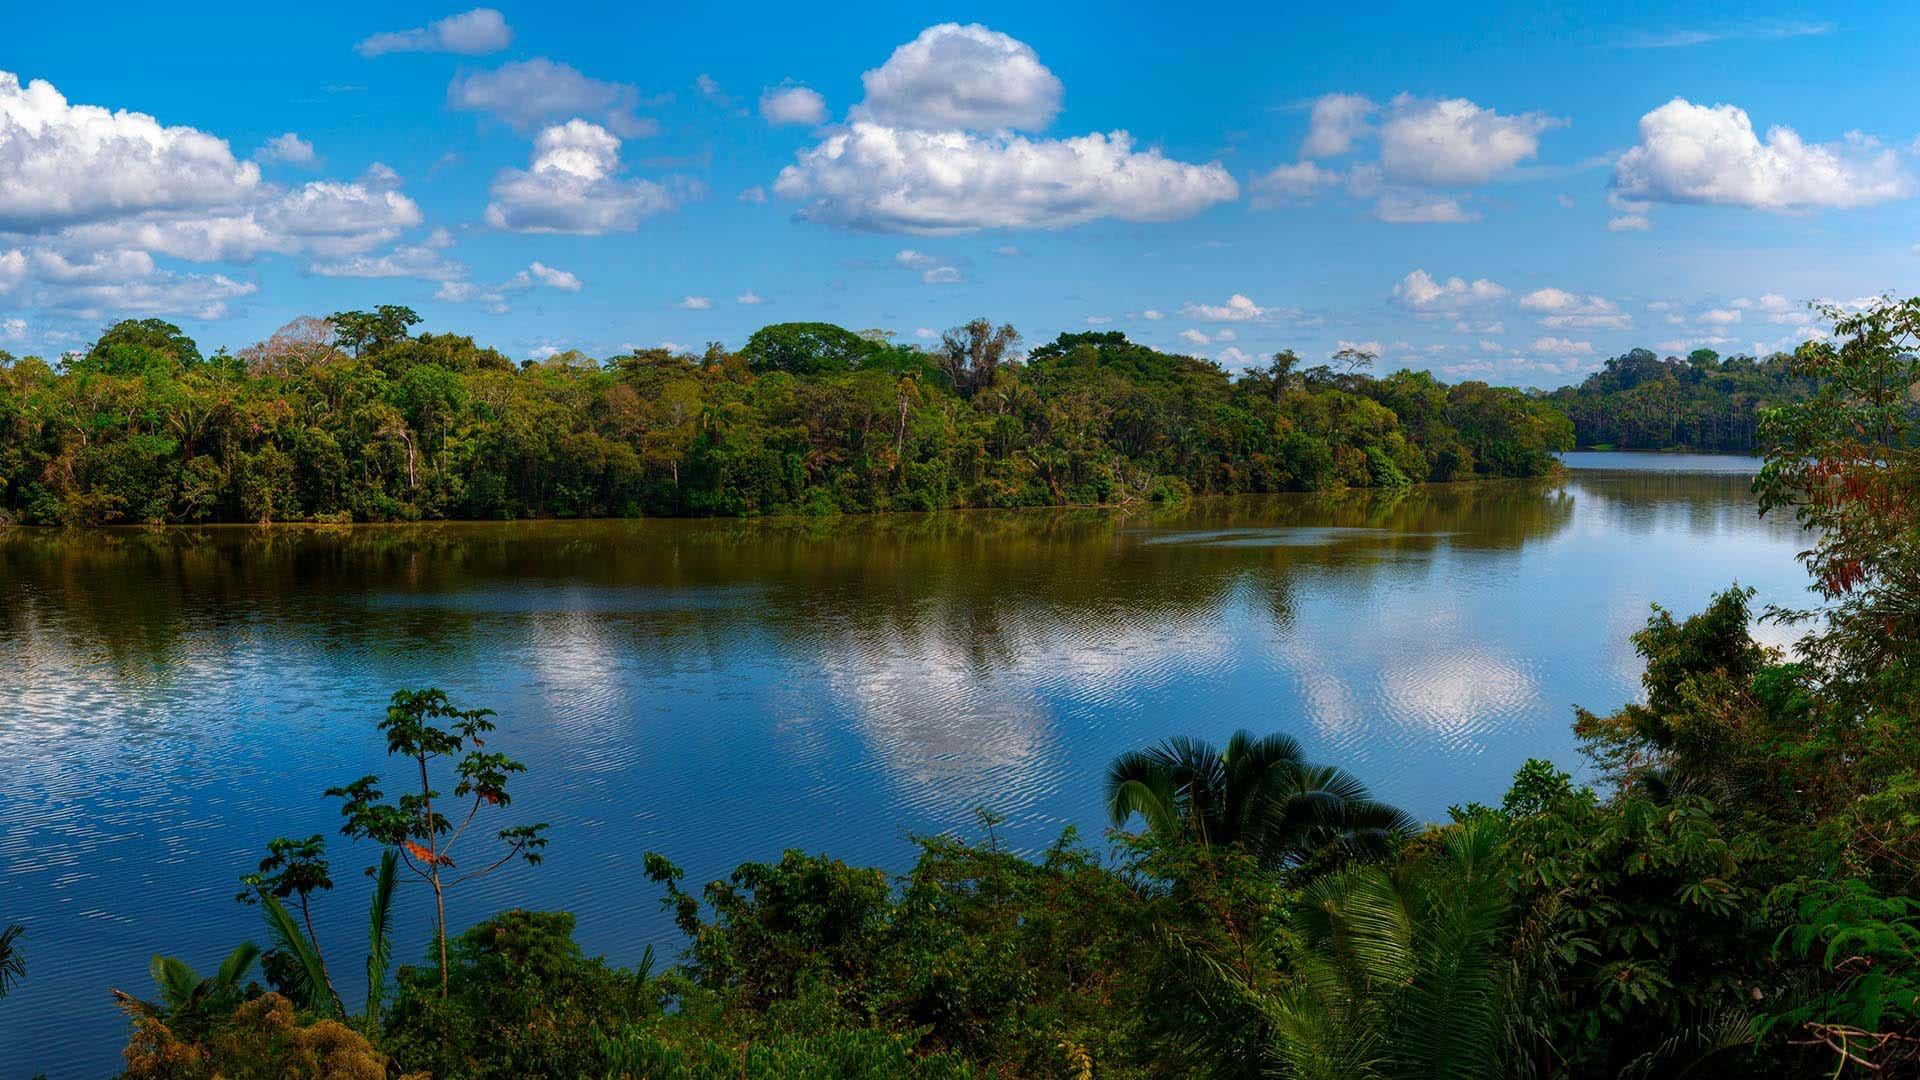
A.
pixel 1733 894
pixel 1639 401
pixel 358 418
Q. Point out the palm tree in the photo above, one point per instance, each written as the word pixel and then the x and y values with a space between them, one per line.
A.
pixel 1259 793
pixel 1401 970
pixel 308 985
pixel 13 965
pixel 183 991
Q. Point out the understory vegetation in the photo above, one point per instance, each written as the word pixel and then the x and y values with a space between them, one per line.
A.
pixel 357 418
pixel 1733 895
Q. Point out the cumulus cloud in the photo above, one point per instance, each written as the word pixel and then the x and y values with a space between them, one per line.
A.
pixel 128 283
pixel 13 329
pixel 495 298
pixel 13 270
pixel 1196 337
pixel 932 150
pixel 962 77
pixel 1338 120
pixel 1559 346
pixel 694 303
pixel 63 164
pixel 529 93
pixel 1562 310
pixel 1421 293
pixel 1152 315
pixel 287 148
pixel 1232 357
pixel 470 33
pixel 792 105
pixel 1423 143
pixel 1286 185
pixel 934 183
pixel 572 186
pixel 1710 154
pixel 1453 142
pixel 1238 308
pixel 750 298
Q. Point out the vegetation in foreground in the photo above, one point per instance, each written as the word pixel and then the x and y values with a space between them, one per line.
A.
pixel 1735 897
pixel 356 418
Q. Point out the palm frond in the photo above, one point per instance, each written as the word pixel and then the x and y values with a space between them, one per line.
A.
pixel 13 964
pixel 308 978
pixel 379 942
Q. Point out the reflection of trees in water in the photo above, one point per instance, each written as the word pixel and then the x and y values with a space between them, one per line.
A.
pixel 987 586
pixel 1701 504
pixel 978 587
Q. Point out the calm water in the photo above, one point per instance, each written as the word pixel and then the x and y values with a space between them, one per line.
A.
pixel 719 691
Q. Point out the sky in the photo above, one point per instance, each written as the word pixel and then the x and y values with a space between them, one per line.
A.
pixel 1486 191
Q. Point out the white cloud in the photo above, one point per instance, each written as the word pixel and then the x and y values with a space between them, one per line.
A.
pixel 1565 201
pixel 694 303
pixel 288 148
pixel 1373 348
pixel 1098 320
pixel 1152 315
pixel 1238 308
pixel 711 89
pixel 1286 185
pixel 13 329
pixel 1195 337
pixel 932 151
pixel 792 105
pixel 62 164
pixel 1231 356
pixel 933 269
pixel 495 297
pixel 1225 333
pixel 1563 310
pixel 412 261
pixel 529 93
pixel 1337 121
pixel 571 187
pixel 470 33
pixel 1007 251
pixel 754 194
pixel 895 180
pixel 1776 308
pixel 1757 30
pixel 1421 293
pixel 750 298
pixel 1402 208
pixel 1559 346
pixel 925 333
pixel 1698 154
pixel 128 283
pixel 1454 142
pixel 553 278
pixel 13 270
pixel 955 77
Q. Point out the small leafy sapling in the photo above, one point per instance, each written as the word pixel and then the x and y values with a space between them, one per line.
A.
pixel 424 836
pixel 294 869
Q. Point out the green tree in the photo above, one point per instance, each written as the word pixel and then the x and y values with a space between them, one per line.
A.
pixel 423 837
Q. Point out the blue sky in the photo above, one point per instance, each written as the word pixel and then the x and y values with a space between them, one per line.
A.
pixel 1495 193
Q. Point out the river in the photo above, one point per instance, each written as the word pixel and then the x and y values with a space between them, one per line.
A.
pixel 170 699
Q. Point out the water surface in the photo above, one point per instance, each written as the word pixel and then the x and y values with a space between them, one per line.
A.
pixel 719 691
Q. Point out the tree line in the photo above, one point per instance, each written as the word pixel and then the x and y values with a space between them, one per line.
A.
pixel 357 417
pixel 1639 401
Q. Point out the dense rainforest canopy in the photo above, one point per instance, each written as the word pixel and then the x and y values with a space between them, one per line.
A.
pixel 357 418
pixel 1641 402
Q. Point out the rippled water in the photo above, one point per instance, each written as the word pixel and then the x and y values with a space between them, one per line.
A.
pixel 719 691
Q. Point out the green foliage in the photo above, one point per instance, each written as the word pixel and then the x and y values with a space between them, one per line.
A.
pixel 1259 794
pixel 13 960
pixel 520 1000
pixel 357 418
pixel 1639 401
